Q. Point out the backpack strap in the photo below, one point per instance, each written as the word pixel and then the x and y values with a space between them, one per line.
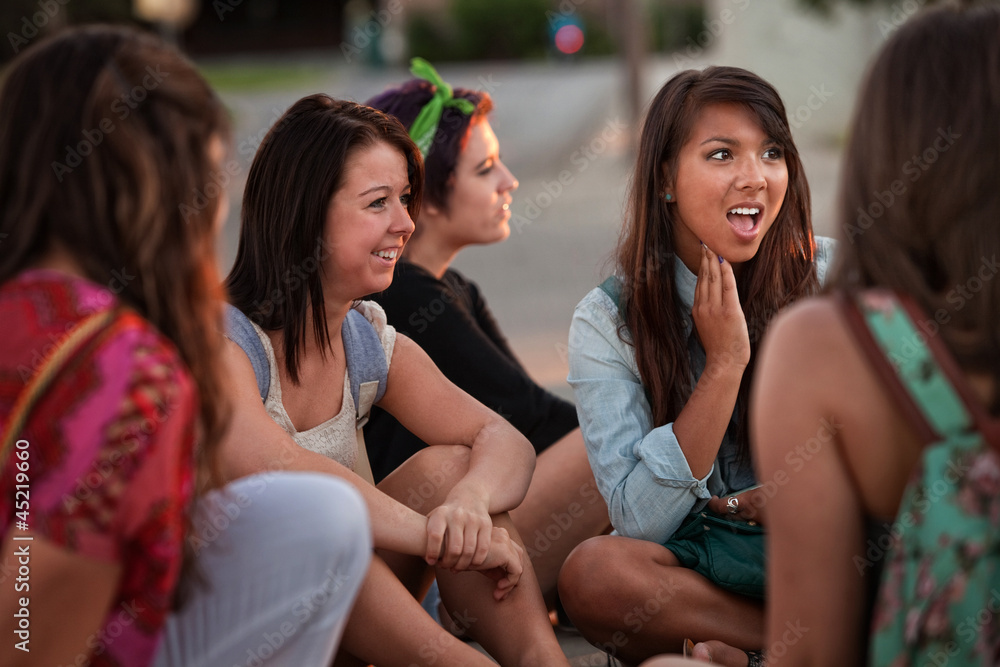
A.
pixel 613 288
pixel 366 368
pixel 366 364
pixel 916 369
pixel 241 331
pixel 368 372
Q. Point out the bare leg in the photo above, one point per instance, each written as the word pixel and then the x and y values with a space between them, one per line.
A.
pixel 387 627
pixel 644 603
pixel 516 631
pixel 562 508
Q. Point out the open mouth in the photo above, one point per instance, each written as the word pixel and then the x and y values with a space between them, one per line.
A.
pixel 388 257
pixel 744 220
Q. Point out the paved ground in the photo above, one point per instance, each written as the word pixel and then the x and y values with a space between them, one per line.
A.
pixel 552 120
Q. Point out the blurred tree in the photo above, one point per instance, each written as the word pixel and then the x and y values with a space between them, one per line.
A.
pixel 500 29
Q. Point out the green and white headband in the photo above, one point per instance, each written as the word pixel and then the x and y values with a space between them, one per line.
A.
pixel 425 125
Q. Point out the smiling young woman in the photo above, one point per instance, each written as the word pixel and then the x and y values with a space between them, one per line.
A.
pixel 717 239
pixel 342 182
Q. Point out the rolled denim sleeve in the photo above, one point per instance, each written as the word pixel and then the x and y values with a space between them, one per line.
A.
pixel 640 470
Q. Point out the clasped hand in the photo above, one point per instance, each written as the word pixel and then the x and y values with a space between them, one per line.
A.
pixel 461 536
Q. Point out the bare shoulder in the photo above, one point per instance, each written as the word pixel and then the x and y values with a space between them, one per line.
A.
pixel 812 320
pixel 811 332
pixel 811 362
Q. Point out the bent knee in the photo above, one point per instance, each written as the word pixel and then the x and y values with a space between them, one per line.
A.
pixel 426 478
pixel 579 575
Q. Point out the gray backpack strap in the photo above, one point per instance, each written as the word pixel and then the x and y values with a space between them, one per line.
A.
pixel 241 331
pixel 613 288
pixel 366 363
pixel 368 371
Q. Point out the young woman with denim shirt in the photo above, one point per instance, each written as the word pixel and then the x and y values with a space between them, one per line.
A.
pixel 717 239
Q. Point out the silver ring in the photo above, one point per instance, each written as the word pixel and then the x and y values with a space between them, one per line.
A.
pixel 733 504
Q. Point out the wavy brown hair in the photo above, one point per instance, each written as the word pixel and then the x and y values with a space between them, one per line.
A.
pixel 781 271
pixel 104 135
pixel 299 166
pixel 926 132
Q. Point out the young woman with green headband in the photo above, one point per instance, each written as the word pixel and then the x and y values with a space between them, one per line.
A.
pixel 467 197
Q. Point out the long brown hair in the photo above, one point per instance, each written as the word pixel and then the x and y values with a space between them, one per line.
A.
pixel 781 272
pixel 104 135
pixel 926 133
pixel 277 277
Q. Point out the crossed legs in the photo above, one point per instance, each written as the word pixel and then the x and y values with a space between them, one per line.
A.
pixel 632 599
pixel 388 627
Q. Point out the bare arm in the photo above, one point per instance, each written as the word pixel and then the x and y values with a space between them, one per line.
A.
pixel 69 597
pixel 722 327
pixel 816 591
pixel 255 444
pixel 438 412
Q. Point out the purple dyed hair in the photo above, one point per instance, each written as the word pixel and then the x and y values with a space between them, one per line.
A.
pixel 405 102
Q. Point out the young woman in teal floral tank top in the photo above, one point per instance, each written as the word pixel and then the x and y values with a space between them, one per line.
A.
pixel 895 518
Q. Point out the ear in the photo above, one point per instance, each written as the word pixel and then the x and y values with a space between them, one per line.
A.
pixel 668 177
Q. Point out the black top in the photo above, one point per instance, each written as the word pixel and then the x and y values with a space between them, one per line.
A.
pixel 450 320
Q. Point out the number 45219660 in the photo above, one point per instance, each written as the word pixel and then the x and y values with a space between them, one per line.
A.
pixel 21 479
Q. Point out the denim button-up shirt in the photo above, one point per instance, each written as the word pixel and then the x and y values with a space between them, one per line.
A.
pixel 640 470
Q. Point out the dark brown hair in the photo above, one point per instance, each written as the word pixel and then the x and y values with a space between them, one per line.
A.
pixel 299 166
pixel 406 102
pixel 781 272
pixel 920 194
pixel 104 135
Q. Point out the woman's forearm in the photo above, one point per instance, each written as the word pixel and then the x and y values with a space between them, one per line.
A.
pixel 702 422
pixel 394 526
pixel 500 467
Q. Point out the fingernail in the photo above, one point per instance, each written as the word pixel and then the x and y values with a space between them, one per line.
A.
pixel 720 259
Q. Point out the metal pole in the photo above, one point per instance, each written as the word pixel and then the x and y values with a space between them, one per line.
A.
pixel 632 37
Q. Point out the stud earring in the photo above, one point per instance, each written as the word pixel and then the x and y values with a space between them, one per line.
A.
pixel 667 197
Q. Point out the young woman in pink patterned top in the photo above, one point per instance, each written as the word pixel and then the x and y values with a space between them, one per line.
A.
pixel 109 142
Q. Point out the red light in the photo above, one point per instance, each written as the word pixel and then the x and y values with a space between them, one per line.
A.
pixel 569 39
